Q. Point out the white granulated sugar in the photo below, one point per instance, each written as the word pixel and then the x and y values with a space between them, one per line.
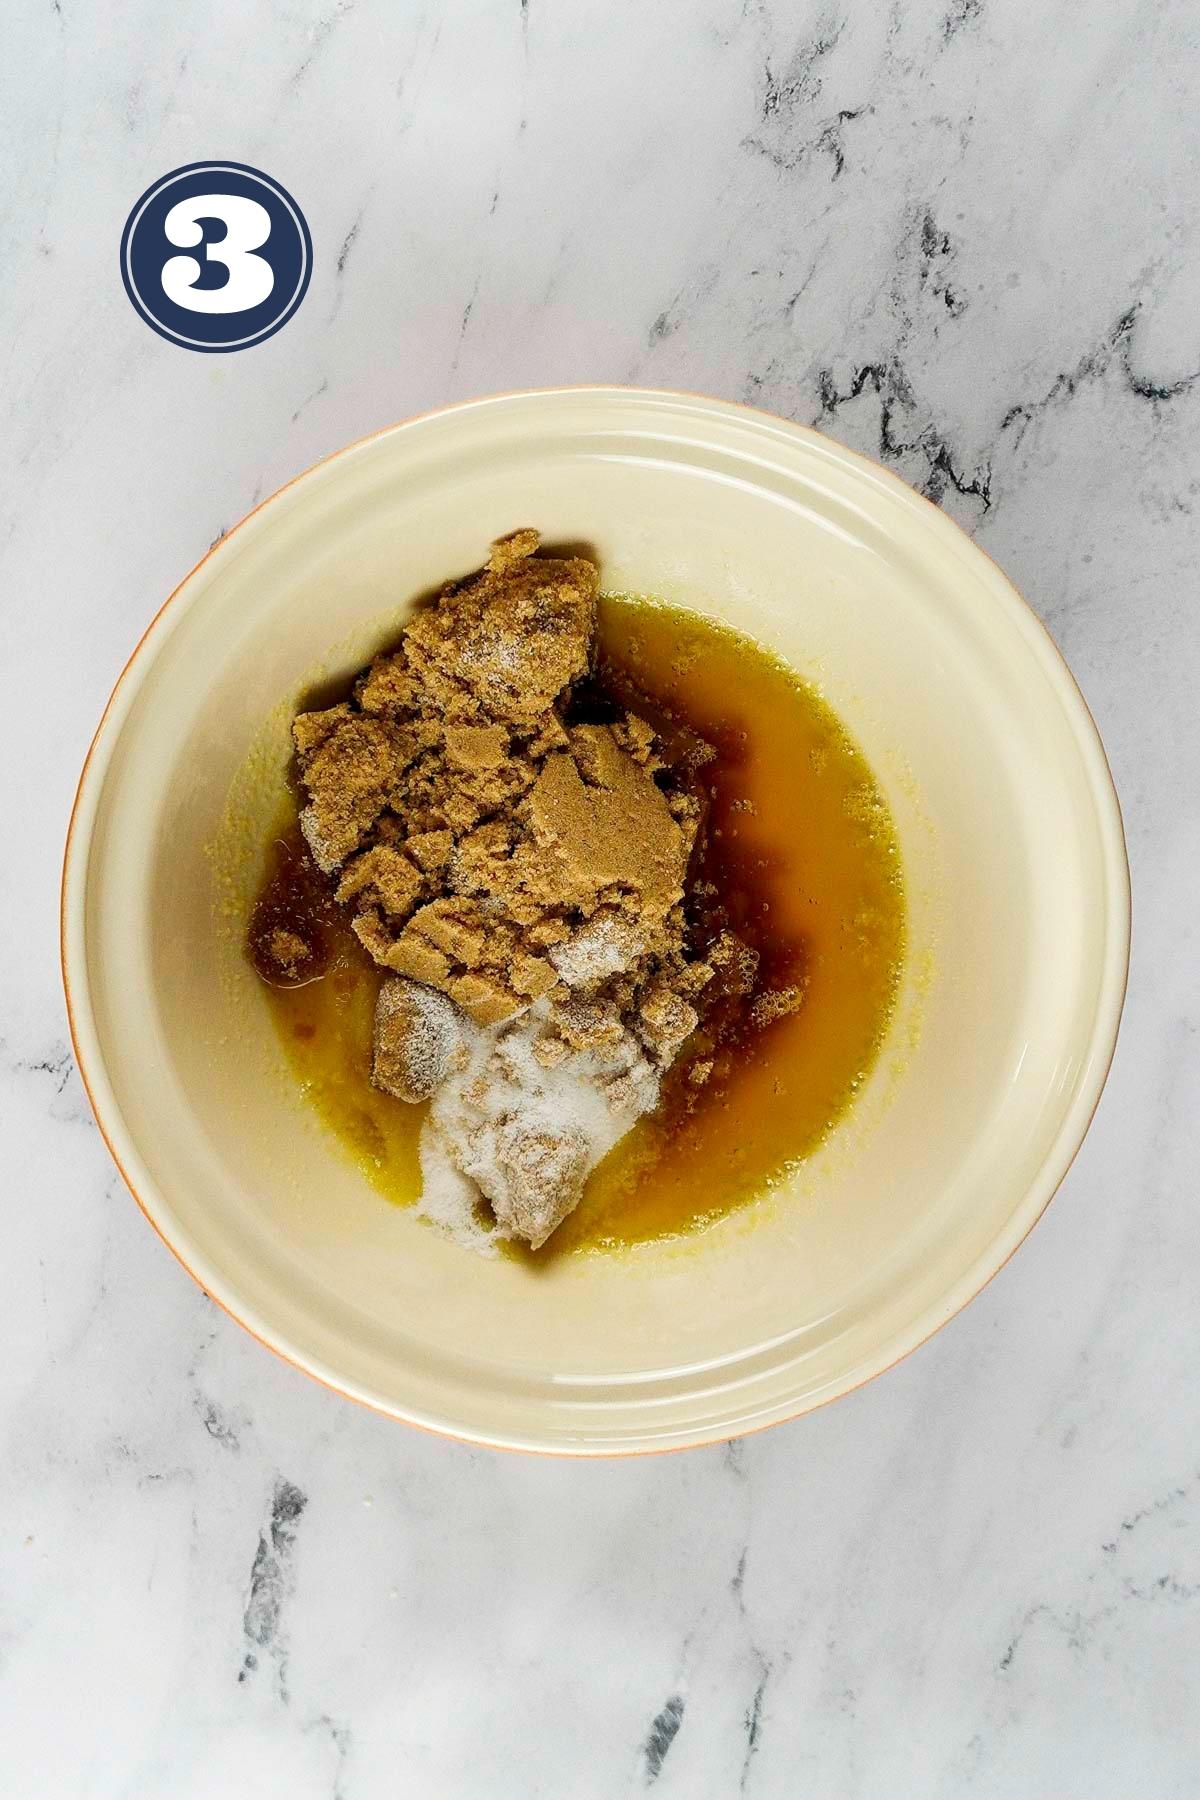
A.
pixel 523 1136
pixel 503 649
pixel 448 1197
pixel 605 946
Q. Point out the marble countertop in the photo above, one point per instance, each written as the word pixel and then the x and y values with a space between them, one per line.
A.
pixel 958 234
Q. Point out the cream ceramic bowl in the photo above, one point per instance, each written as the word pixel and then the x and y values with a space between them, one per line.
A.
pixel 1017 880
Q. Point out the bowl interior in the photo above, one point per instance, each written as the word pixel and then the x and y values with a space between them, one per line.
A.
pixel 1017 897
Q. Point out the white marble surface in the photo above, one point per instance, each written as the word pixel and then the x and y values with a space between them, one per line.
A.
pixel 959 233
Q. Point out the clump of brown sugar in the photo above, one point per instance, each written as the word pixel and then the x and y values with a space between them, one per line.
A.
pixel 521 876
pixel 482 843
pixel 418 1040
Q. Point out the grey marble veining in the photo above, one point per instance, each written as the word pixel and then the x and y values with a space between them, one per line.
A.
pixel 958 235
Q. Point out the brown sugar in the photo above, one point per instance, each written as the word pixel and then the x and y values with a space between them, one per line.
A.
pixel 418 1040
pixel 471 828
pixel 288 951
pixel 520 872
pixel 541 1178
pixel 351 765
pixel 601 829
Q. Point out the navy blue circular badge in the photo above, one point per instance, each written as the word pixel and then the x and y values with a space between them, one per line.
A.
pixel 216 256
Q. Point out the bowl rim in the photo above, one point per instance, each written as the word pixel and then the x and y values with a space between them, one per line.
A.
pixel 1056 1165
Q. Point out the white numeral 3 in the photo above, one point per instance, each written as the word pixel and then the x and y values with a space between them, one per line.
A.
pixel 247 226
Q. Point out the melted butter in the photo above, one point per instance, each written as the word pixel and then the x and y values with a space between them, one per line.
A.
pixel 326 1028
pixel 802 849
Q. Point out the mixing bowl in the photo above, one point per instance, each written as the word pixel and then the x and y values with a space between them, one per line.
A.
pixel 1018 930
